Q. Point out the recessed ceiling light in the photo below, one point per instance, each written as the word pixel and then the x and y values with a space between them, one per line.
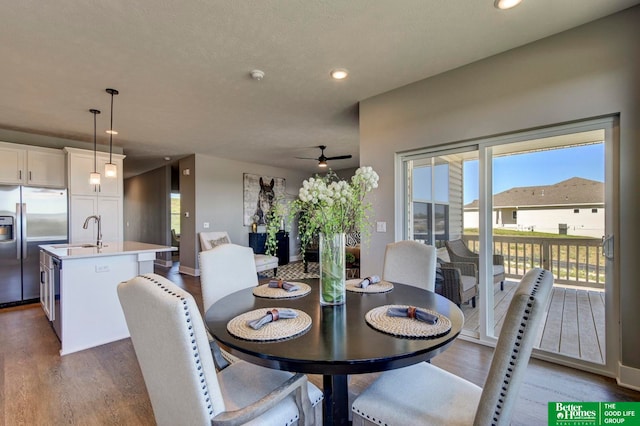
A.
pixel 506 4
pixel 339 73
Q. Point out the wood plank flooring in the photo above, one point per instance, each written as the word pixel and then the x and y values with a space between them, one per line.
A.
pixel 574 324
pixel 104 385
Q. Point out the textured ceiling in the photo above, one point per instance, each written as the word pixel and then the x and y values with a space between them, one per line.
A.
pixel 182 67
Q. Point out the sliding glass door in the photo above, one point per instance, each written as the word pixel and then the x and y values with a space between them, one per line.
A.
pixel 533 199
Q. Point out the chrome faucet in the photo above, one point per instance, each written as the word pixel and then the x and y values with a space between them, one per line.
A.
pixel 98 220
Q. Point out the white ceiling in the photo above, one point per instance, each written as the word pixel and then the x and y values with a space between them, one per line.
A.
pixel 182 67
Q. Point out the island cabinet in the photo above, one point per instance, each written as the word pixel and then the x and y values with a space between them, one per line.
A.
pixel 85 310
pixel 31 166
pixel 86 200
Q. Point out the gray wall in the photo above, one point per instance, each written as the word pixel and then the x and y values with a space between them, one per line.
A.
pixel 589 71
pixel 213 193
pixel 146 208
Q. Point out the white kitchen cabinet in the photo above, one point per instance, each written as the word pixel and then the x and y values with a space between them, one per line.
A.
pixel 86 200
pixel 47 295
pixel 12 164
pixel 32 166
pixel 81 164
pixel 46 168
pixel 110 210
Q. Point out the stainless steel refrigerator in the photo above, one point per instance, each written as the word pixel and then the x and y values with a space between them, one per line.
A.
pixel 29 217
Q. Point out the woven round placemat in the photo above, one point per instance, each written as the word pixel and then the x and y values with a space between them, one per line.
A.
pixel 381 287
pixel 279 293
pixel 277 330
pixel 406 327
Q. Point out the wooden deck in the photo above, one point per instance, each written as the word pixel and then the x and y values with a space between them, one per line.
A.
pixel 574 326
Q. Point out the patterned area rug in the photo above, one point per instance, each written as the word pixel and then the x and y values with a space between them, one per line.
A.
pixel 294 271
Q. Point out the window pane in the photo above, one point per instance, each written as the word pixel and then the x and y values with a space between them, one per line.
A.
pixel 422 183
pixel 421 221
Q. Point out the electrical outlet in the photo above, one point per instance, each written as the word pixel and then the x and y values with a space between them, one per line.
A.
pixel 381 226
pixel 205 225
pixel 102 268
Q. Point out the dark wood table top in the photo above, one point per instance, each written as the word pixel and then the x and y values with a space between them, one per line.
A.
pixel 340 341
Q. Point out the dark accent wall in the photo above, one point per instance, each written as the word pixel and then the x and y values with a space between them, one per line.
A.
pixel 147 206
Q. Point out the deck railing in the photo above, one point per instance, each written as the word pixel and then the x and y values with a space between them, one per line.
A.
pixel 574 261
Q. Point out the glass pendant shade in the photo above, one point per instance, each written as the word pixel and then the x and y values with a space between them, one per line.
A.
pixel 110 170
pixel 94 178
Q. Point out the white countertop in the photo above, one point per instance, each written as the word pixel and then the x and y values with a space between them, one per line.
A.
pixel 77 251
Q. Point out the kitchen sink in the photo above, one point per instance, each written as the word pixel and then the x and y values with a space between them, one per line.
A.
pixel 72 246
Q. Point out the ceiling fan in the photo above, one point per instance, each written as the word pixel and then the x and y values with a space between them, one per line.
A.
pixel 322 160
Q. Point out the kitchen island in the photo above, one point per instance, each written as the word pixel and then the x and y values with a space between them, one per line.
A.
pixel 78 289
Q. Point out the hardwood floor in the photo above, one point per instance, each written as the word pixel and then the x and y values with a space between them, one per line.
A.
pixel 104 385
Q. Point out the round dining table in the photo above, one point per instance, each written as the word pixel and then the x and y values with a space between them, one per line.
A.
pixel 339 342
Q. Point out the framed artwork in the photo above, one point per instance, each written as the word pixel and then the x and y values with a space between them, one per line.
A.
pixel 259 194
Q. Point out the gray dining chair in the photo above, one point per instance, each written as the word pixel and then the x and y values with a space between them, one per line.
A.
pixel 425 394
pixel 410 262
pixel 171 345
pixel 225 269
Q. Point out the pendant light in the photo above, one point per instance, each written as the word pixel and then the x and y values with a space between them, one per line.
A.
pixel 94 178
pixel 110 169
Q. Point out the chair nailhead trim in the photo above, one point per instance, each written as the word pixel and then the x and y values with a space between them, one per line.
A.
pixel 515 351
pixel 196 353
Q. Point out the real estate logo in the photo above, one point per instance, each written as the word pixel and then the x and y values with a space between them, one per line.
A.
pixel 594 413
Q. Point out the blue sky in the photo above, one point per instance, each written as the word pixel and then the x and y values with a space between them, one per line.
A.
pixel 538 168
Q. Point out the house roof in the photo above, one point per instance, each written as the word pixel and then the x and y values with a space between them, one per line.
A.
pixel 570 192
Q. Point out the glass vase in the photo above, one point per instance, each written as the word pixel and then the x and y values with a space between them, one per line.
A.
pixel 332 269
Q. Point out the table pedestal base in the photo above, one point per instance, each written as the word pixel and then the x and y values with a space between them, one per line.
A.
pixel 336 400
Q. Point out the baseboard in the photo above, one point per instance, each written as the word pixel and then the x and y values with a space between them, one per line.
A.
pixel 629 377
pixel 164 263
pixel 189 271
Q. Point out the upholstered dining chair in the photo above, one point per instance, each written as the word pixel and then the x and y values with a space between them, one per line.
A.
pixel 459 252
pixel 171 345
pixel 263 262
pixel 225 269
pixel 425 394
pixel 410 262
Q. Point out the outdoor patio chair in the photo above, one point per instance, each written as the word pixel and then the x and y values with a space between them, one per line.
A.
pixel 459 252
pixel 460 282
pixel 425 394
pixel 170 342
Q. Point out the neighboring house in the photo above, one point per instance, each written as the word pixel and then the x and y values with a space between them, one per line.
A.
pixel 572 207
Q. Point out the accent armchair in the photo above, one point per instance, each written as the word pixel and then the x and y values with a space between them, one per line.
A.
pixel 264 262
pixel 171 345
pixel 425 394
pixel 459 252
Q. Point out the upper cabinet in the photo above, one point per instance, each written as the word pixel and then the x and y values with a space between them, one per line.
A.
pixel 32 166
pixel 86 199
pixel 81 164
